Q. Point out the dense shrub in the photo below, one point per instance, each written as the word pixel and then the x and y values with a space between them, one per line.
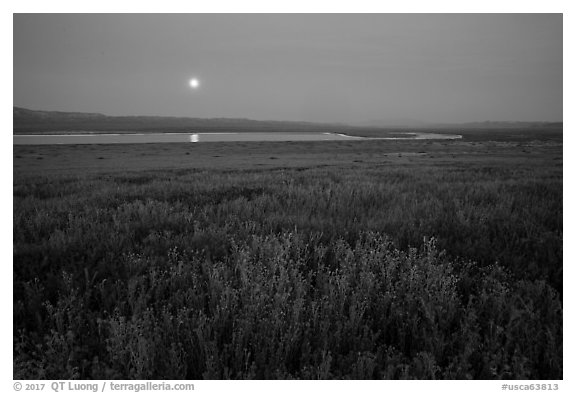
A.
pixel 321 273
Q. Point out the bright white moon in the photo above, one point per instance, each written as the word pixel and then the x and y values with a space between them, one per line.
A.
pixel 194 83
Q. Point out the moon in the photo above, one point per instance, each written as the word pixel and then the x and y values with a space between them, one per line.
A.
pixel 194 83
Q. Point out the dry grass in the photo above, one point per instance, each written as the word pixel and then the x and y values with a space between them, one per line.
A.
pixel 440 265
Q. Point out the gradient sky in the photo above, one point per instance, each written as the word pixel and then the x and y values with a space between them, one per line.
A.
pixel 352 68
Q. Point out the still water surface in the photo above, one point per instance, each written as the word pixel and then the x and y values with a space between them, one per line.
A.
pixel 76 139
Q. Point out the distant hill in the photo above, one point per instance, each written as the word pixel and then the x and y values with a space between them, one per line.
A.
pixel 32 121
pixel 40 122
pixel 394 123
pixel 490 125
pixel 23 114
pixel 401 123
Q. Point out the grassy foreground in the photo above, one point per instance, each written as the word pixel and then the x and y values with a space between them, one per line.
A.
pixel 421 268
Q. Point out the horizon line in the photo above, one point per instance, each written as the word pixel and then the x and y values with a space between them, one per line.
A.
pixel 358 123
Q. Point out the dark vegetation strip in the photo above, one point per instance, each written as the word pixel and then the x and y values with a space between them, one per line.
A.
pixel 319 273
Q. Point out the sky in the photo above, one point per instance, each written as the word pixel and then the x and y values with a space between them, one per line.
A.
pixel 345 68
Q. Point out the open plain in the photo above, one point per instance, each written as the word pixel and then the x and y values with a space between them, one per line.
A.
pixel 337 259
